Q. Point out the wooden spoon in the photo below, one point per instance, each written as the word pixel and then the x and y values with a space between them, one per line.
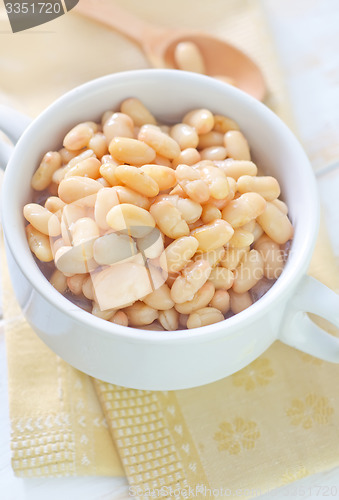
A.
pixel 159 45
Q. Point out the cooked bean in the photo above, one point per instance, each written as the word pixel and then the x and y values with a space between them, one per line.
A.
pixel 59 174
pixel 71 213
pixel 210 213
pixel 140 314
pixel 169 219
pixel 239 301
pixel 76 282
pixel 87 288
pixel 281 205
pixel 127 195
pixel 249 272
pixel 137 221
pixel 243 209
pixel 188 156
pixel 163 176
pixel 224 124
pixel 66 155
pixel 241 238
pixel 98 145
pixel 215 179
pixel 39 244
pixel 42 219
pixel 105 116
pixel 197 190
pixel 188 57
pixel 201 120
pixel 161 160
pixel 192 278
pixel 180 252
pixel 249 226
pixel 106 199
pixel 86 168
pixel 213 153
pixel 131 151
pixel 59 281
pixel 151 245
pixel 162 143
pixel 120 318
pixel 137 179
pixel 201 299
pixel 211 139
pixel 213 235
pixel 112 248
pixel 118 125
pixel 237 146
pixel 203 317
pixel 257 232
pixel 160 298
pixel 84 155
pixel 54 204
pixel 42 177
pixel 237 168
pixel 108 159
pixel 137 111
pixel 273 257
pixel 221 277
pixel 233 257
pixel 106 314
pixel 221 301
pixel 268 187
pixel 276 224
pixel 58 243
pixel 187 173
pixel 78 137
pixel 169 319
pixel 75 188
pixel 189 209
pixel 92 125
pixel 184 135
pixel 178 191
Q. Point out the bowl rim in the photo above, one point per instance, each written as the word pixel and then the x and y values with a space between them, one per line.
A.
pixel 293 270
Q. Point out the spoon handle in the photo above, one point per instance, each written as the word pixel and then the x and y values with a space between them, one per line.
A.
pixel 108 13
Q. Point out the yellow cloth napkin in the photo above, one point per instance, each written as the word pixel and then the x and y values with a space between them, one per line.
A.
pixel 271 423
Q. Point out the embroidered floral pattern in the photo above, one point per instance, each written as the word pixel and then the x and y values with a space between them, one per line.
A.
pixel 257 374
pixel 237 436
pixel 294 473
pixel 312 410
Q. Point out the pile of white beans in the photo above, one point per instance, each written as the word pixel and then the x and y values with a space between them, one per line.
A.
pixel 160 227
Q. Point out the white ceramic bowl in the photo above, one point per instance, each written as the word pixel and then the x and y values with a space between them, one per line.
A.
pixel 171 360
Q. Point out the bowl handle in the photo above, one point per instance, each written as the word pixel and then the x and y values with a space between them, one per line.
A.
pixel 12 123
pixel 299 331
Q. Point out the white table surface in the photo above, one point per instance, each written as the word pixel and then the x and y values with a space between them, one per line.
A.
pixel 307 39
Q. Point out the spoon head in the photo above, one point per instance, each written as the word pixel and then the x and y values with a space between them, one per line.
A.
pixel 221 59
